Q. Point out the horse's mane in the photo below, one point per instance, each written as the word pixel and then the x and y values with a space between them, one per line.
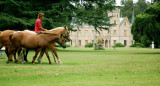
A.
pixel 48 33
pixel 30 31
pixel 56 28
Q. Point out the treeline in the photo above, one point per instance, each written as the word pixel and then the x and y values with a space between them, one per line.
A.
pixel 21 14
pixel 128 6
pixel 146 26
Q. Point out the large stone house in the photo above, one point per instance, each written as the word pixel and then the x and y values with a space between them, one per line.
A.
pixel 120 33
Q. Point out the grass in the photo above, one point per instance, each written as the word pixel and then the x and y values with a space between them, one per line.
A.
pixel 87 67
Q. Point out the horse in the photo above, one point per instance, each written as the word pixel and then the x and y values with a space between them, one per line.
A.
pixel 61 31
pixel 58 30
pixel 5 41
pixel 33 41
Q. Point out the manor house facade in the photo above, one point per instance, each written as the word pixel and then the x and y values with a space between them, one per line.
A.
pixel 120 33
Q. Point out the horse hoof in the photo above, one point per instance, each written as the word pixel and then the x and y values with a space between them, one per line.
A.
pixel 56 62
pixel 11 60
pixel 32 62
pixel 7 62
pixel 39 62
pixel 15 61
pixel 50 62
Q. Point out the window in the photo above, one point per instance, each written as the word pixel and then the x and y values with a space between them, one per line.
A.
pixel 79 42
pixel 114 32
pixel 114 41
pixel 125 32
pixel 124 23
pixel 86 42
pixel 79 33
pixel 114 21
pixel 125 42
pixel 86 33
pixel 92 41
pixel 101 33
pixel 93 32
pixel 71 42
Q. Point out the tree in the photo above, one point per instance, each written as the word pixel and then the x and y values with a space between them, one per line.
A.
pixel 148 24
pixel 128 6
pixel 57 12
pixel 23 16
pixel 94 13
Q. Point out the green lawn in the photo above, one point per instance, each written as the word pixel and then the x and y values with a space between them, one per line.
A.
pixel 87 67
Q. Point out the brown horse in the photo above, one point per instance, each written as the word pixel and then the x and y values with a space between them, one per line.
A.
pixel 33 41
pixel 5 41
pixel 60 30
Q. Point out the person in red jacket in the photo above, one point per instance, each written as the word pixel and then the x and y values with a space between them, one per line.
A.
pixel 38 25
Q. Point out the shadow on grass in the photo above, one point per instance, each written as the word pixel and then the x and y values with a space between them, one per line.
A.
pixel 82 51
pixel 148 53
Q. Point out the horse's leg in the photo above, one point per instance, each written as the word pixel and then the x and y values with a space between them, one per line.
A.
pixel 55 60
pixel 10 52
pixel 46 52
pixel 35 56
pixel 1 45
pixel 6 51
pixel 20 57
pixel 14 53
pixel 25 55
pixel 55 53
pixel 40 56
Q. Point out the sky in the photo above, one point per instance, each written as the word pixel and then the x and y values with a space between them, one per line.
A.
pixel 119 1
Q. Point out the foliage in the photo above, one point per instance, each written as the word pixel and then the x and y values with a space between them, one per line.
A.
pixel 119 45
pixel 128 6
pixel 147 24
pixel 94 12
pixel 57 13
pixel 89 45
pixel 145 41
pixel 137 45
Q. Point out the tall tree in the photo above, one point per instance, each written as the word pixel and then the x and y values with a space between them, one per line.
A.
pixel 94 13
pixel 148 24
pixel 57 13
pixel 128 6
pixel 23 16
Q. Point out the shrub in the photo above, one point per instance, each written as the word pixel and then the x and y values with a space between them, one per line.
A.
pixel 137 45
pixel 89 45
pixel 119 45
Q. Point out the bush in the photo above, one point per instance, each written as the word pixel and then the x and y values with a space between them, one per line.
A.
pixel 137 45
pixel 119 45
pixel 89 45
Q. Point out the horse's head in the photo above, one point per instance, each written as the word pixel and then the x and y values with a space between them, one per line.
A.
pixel 66 34
pixel 62 41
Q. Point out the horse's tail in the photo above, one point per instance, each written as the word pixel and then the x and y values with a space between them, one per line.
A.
pixel 10 37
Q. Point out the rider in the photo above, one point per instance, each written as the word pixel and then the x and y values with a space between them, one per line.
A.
pixel 38 26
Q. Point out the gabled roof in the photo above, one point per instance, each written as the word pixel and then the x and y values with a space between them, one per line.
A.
pixel 122 20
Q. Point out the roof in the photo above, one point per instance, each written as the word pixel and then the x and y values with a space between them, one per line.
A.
pixel 121 19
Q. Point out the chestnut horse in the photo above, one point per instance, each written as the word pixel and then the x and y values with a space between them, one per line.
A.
pixel 5 41
pixel 59 30
pixel 33 41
